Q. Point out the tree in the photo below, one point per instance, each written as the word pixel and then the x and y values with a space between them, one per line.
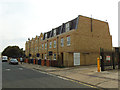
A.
pixel 13 51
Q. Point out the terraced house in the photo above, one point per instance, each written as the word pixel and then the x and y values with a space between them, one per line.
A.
pixel 76 42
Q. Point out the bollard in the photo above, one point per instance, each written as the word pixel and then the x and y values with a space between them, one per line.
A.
pixel 34 61
pixel 42 62
pixel 26 60
pixel 98 64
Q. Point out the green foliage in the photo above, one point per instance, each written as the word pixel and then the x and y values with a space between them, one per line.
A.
pixel 13 51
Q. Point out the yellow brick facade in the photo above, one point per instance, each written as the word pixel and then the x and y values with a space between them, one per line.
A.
pixel 86 38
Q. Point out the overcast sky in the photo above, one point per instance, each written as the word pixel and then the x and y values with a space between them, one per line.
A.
pixel 23 19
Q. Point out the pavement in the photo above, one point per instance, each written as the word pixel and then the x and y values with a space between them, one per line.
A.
pixel 87 75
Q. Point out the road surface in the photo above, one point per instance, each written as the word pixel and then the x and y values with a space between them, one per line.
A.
pixel 15 76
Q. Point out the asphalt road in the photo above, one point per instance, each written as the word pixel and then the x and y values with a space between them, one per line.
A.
pixel 15 76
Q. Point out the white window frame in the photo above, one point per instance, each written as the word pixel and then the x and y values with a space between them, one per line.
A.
pixel 54 32
pixel 50 45
pixel 45 45
pixel 62 42
pixel 67 27
pixel 42 46
pixel 41 38
pixel 68 41
pixel 46 36
pixel 54 56
pixel 54 43
pixel 37 48
pixel 45 56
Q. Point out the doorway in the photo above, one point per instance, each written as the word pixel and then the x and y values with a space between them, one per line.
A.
pixel 76 59
pixel 62 57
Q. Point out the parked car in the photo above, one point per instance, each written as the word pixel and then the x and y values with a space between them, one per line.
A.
pixel 4 58
pixel 13 61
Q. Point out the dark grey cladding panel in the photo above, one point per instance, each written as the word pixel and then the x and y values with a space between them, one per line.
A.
pixel 48 34
pixel 44 36
pixel 58 30
pixel 73 24
pixel 62 28
pixel 51 33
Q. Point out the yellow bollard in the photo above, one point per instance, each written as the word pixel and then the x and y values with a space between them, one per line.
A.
pixel 98 64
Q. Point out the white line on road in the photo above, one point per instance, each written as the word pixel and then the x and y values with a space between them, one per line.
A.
pixel 7 69
pixel 21 68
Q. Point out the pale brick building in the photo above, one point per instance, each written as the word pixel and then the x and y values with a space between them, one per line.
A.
pixel 76 42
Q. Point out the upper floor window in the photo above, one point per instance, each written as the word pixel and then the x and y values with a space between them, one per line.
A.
pixel 67 27
pixel 50 45
pixel 42 46
pixel 54 32
pixel 45 45
pixel 54 43
pixel 45 35
pixel 41 38
pixel 37 48
pixel 62 42
pixel 68 41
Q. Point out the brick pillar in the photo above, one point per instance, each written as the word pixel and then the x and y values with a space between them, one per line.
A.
pixel 34 61
pixel 42 62
pixel 27 60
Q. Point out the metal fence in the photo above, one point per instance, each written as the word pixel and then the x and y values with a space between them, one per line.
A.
pixel 110 59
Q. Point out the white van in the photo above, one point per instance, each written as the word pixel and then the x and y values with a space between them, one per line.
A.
pixel 4 58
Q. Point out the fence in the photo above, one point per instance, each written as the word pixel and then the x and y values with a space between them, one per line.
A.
pixel 110 59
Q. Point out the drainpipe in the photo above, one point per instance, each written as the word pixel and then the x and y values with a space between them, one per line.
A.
pixel 91 24
pixel 57 50
pixel 47 49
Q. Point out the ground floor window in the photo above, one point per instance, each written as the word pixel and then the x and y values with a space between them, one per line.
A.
pixel 54 56
pixel 45 56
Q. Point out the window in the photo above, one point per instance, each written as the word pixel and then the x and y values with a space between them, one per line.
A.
pixel 45 35
pixel 62 42
pixel 45 45
pixel 41 38
pixel 54 43
pixel 54 32
pixel 54 56
pixel 67 27
pixel 45 56
pixel 37 48
pixel 68 41
pixel 42 46
pixel 50 45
